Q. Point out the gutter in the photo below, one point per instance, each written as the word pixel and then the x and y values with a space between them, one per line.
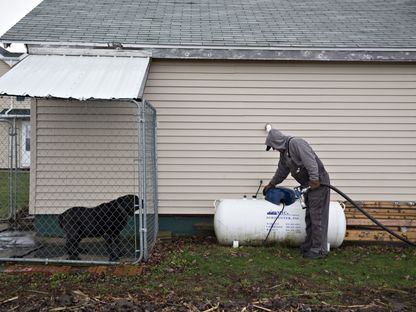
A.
pixel 190 46
pixel 13 60
pixel 229 53
pixel 5 116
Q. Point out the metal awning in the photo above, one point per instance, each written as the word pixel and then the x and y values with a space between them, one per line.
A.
pixel 77 77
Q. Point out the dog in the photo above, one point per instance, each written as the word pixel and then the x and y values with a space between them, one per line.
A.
pixel 106 220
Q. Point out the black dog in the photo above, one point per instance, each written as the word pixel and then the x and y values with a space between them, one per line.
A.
pixel 106 220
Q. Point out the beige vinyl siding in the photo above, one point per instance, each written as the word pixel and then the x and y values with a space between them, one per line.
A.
pixel 86 153
pixel 4 68
pixel 359 117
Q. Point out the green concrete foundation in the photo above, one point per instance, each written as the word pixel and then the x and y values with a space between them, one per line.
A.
pixel 187 225
pixel 47 225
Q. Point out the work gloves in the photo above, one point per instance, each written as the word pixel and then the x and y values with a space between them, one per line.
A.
pixel 314 184
pixel 267 188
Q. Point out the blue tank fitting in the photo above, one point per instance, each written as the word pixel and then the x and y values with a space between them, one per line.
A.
pixel 281 195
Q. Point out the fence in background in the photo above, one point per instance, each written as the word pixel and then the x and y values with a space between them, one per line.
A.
pixel 14 157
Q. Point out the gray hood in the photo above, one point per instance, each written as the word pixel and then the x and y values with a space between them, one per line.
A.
pixel 277 140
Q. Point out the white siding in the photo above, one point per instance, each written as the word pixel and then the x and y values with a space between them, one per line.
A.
pixel 86 153
pixel 359 117
pixel 7 102
pixel 4 145
pixel 5 141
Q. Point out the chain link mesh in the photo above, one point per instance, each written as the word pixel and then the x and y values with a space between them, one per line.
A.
pixel 151 212
pixel 93 197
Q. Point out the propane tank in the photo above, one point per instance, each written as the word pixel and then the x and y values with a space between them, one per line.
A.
pixel 248 221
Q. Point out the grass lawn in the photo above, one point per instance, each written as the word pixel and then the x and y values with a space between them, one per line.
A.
pixel 22 187
pixel 198 275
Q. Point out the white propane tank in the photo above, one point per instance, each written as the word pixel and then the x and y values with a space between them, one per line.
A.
pixel 249 220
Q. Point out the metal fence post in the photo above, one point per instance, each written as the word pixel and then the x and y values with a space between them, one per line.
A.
pixel 144 252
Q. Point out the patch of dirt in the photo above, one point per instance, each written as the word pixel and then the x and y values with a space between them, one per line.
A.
pixel 38 292
pixel 80 301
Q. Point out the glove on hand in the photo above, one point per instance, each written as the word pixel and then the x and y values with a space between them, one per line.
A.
pixel 314 184
pixel 267 187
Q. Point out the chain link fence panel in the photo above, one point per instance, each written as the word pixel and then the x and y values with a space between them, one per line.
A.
pixel 150 176
pixel 93 197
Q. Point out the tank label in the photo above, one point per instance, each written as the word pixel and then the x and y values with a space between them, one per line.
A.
pixel 288 222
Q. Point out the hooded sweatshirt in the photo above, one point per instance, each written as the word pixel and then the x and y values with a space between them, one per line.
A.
pixel 296 158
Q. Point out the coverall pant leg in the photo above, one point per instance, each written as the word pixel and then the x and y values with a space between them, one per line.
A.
pixel 308 240
pixel 317 202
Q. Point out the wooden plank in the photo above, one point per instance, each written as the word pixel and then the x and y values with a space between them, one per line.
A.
pixel 387 212
pixel 384 204
pixel 386 222
pixel 381 217
pixel 376 235
pixel 390 210
pixel 384 209
pixel 402 215
pixel 408 206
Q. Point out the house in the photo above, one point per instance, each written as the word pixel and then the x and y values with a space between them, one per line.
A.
pixel 4 67
pixel 341 74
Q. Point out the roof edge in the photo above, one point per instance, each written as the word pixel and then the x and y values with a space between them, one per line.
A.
pixel 233 53
pixel 288 55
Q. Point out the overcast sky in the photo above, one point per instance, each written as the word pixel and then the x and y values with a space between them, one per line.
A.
pixel 11 11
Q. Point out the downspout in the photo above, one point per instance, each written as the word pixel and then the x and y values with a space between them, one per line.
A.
pixel 11 107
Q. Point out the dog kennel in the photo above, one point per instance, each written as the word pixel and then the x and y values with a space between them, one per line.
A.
pixel 93 169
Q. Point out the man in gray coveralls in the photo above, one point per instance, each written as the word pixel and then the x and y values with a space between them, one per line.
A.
pixel 298 158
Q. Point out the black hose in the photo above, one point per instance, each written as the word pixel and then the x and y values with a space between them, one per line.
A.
pixel 264 242
pixel 369 216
